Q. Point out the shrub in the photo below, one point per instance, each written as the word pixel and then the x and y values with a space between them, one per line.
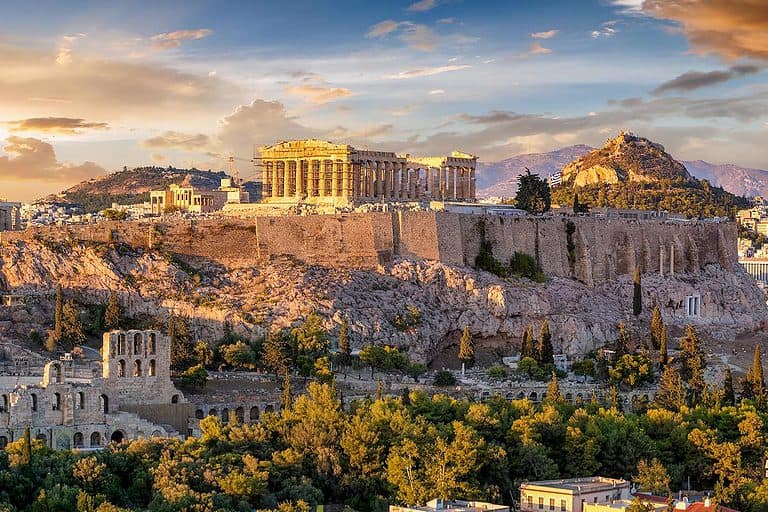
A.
pixel 524 265
pixel 411 318
pixel 485 260
pixel 497 372
pixel 444 378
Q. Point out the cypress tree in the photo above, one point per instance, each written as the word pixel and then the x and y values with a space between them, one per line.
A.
pixel 622 343
pixel 58 313
pixel 656 324
pixel 379 391
pixel 466 349
pixel 345 351
pixel 553 390
pixel 692 364
pixel 287 397
pixel 112 313
pixel 544 350
pixel 637 296
pixel 26 449
pixel 729 396
pixel 754 383
pixel 526 348
pixel 663 355
pixel 671 392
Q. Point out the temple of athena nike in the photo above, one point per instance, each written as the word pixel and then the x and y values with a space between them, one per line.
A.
pixel 316 171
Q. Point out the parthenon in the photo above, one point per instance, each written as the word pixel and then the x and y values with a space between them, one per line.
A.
pixel 313 170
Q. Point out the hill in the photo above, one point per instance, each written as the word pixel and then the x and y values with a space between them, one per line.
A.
pixel 742 181
pixel 133 185
pixel 634 172
pixel 500 178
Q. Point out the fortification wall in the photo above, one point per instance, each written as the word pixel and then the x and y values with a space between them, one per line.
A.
pixel 602 249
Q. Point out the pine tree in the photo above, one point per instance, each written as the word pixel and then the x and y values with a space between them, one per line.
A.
pixel 656 324
pixel 671 392
pixel 466 349
pixel 544 350
pixel 729 396
pixel 526 348
pixel 663 354
pixel 72 328
pixel 637 296
pixel 692 364
pixel 754 383
pixel 287 397
pixel 26 449
pixel 553 390
pixel 112 313
pixel 275 354
pixel 58 313
pixel 576 205
pixel 345 351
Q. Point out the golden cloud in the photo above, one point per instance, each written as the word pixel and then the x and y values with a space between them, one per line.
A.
pixel 729 28
pixel 179 140
pixel 170 40
pixel 319 94
pixel 62 125
pixel 31 159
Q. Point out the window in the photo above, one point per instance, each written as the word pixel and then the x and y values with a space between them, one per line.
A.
pixel 562 506
pixel 121 344
pixel 530 502
pixel 78 440
pixel 152 343
pixel 137 343
pixel 137 368
pixel 56 401
pixel 96 439
pixel 693 305
pixel 121 369
pixel 104 403
pixel 151 368
pixel 81 400
pixel 607 498
pixel 4 405
pixel 594 500
pixel 34 402
pixel 541 503
pixel 551 503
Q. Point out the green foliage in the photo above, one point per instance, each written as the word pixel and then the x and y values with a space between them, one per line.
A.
pixel 239 355
pixel 444 378
pixel 111 214
pixel 345 350
pixel 637 294
pixel 533 193
pixel 497 372
pixel 410 319
pixel 194 377
pixel 182 346
pixel 657 323
pixel 652 477
pixel 524 265
pixel 544 351
pixel 383 358
pixel 486 261
pixel 692 364
pixel 754 383
pixel 585 367
pixel 632 371
pixel 112 313
pixel 310 337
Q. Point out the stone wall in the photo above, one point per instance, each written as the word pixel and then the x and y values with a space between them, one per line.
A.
pixel 603 248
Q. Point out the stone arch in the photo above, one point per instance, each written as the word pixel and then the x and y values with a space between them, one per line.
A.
pixel 269 408
pixel 121 368
pixel 56 405
pixel 117 437
pixel 533 396
pixel 157 433
pixel 140 435
pixel 96 439
pixel 521 395
pixel 213 412
pixel 569 397
pixel 152 343
pixel 77 440
pixel 579 398
pixel 137 343
pixel 3 442
pixel 175 399
pixel 104 400
pixel 151 368
pixel 254 413
pixel 199 414
pixel 137 368
pixel 225 416
pixel 510 396
pixel 80 400
pixel 42 437
pixel 240 414
pixel 33 396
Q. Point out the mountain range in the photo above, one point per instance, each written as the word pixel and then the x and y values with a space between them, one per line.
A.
pixel 499 179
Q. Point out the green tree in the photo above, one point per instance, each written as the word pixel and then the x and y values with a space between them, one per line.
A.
pixel 671 392
pixel 729 396
pixel 663 355
pixel 637 294
pixel 239 355
pixel 466 349
pixel 181 343
pixel 194 377
pixel 58 312
pixel 553 391
pixel 72 328
pixel 276 356
pixel 444 378
pixel 754 382
pixel 657 323
pixel 533 193
pixel 544 349
pixel 527 348
pixel 287 396
pixel 345 350
pixel 622 342
pixel 311 337
pixel 692 364
pixel 652 477
pixel 112 313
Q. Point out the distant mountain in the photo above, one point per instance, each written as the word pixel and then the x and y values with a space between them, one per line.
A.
pixel 499 179
pixel 741 181
pixel 625 158
pixel 133 185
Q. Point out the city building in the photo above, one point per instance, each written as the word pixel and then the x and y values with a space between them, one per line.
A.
pixel 10 216
pixel 453 505
pixel 571 495
pixel 555 178
pixel 315 171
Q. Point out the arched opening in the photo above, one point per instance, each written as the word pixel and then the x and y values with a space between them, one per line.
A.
pixel 4 406
pixel 151 368
pixel 521 395
pixel 175 399
pixel 269 408
pixel 157 433
pixel 56 405
pixel 121 369
pixel 80 400
pixel 95 439
pixel 240 414
pixel 117 437
pixel 43 438
pixel 3 442
pixel 533 396
pixel 225 416
pixel 77 440
pixel 569 397
pixel 199 414
pixel 137 368
pixel 152 343
pixel 59 375
pixel 121 344
pixel 137 344
pixel 104 399
pixel 213 412
pixel 34 402
pixel 254 414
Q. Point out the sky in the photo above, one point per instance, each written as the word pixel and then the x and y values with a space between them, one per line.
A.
pixel 88 87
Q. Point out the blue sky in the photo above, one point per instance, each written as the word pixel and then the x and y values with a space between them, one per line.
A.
pixel 91 86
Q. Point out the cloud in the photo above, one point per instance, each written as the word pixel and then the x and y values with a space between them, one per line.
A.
pixel 61 125
pixel 159 159
pixel 435 92
pixel 606 30
pixel 169 40
pixel 64 52
pixel 697 79
pixel 731 29
pixel 446 21
pixel 403 111
pixel 178 140
pixel 537 49
pixel 318 94
pixel 415 73
pixel 549 34
pixel 31 159
pixel 422 5
pixel 370 132
pixel 629 6
pixel 382 28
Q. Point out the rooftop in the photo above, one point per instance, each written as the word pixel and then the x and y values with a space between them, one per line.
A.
pixel 454 506
pixel 587 484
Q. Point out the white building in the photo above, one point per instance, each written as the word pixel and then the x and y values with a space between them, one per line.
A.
pixel 570 495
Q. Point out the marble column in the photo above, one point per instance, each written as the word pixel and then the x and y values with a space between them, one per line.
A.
pixel 452 183
pixel 371 179
pixel 344 171
pixel 321 190
pixel 472 183
pixel 427 181
pixel 412 183
pixel 403 180
pixel 286 178
pixel 299 179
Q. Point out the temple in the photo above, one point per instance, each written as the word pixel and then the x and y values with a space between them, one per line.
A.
pixel 316 171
